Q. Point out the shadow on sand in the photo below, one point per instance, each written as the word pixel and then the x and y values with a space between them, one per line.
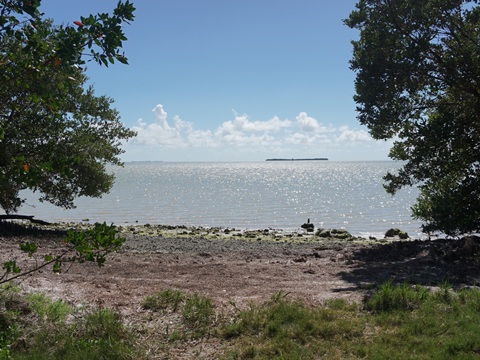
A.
pixel 420 262
pixel 9 229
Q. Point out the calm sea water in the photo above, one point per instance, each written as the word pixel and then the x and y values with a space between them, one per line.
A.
pixel 251 195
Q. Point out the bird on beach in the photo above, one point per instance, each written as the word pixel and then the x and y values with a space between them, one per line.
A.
pixel 308 226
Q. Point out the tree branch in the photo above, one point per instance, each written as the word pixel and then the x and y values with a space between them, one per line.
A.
pixel 5 278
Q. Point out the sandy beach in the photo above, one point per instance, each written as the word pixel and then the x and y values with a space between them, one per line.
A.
pixel 232 266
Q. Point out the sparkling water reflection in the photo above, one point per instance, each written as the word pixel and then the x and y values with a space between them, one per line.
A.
pixel 248 195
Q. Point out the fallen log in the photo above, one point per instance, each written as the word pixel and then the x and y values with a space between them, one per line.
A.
pixel 24 217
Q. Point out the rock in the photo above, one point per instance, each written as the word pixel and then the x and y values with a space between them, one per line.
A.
pixel 341 234
pixel 323 233
pixel 396 233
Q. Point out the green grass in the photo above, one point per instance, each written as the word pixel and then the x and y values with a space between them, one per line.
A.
pixel 167 299
pixel 401 297
pixel 285 329
pixel 441 324
pixel 197 312
pixel 33 326
pixel 48 310
pixel 99 335
pixel 395 322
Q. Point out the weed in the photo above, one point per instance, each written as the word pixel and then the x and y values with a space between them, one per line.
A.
pixel 341 304
pixel 198 313
pixel 470 298
pixel 12 308
pixel 401 297
pixel 167 299
pixel 400 322
pixel 9 332
pixel 99 335
pixel 46 309
pixel 444 294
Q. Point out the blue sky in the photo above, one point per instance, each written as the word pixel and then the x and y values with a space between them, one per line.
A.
pixel 233 80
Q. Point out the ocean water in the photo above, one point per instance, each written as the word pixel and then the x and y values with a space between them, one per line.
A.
pixel 250 195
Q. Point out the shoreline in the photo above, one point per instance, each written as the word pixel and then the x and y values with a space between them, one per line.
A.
pixel 224 233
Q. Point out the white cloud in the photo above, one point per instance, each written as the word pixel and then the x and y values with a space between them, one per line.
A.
pixel 272 137
pixel 353 136
pixel 307 139
pixel 309 124
pixel 159 132
pixel 200 138
pixel 242 124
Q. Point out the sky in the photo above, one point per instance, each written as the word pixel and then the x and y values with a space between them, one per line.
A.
pixel 233 80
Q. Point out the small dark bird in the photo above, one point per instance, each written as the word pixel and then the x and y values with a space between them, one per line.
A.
pixel 307 226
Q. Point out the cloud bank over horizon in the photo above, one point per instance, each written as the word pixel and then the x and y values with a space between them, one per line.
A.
pixel 244 139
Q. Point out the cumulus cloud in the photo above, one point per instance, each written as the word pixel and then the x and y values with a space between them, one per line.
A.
pixel 307 139
pixel 273 135
pixel 240 131
pixel 159 132
pixel 352 136
pixel 309 124
pixel 242 123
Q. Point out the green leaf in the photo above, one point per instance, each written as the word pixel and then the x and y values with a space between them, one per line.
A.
pixel 29 247
pixel 48 257
pixel 122 59
pixel 11 267
pixel 56 267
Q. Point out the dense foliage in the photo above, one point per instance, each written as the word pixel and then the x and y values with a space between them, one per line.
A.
pixel 417 65
pixel 56 135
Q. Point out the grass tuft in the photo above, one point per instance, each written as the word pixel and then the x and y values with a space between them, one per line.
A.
pixel 400 297
pixel 197 312
pixel 167 299
pixel 47 309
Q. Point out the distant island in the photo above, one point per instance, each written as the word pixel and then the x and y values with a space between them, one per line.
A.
pixel 311 159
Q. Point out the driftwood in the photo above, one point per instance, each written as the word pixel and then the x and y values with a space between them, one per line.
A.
pixel 24 217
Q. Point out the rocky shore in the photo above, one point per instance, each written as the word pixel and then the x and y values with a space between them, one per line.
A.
pixel 171 239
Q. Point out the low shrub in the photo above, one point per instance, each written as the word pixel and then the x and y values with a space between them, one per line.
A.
pixel 401 297
pixel 197 312
pixel 167 299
